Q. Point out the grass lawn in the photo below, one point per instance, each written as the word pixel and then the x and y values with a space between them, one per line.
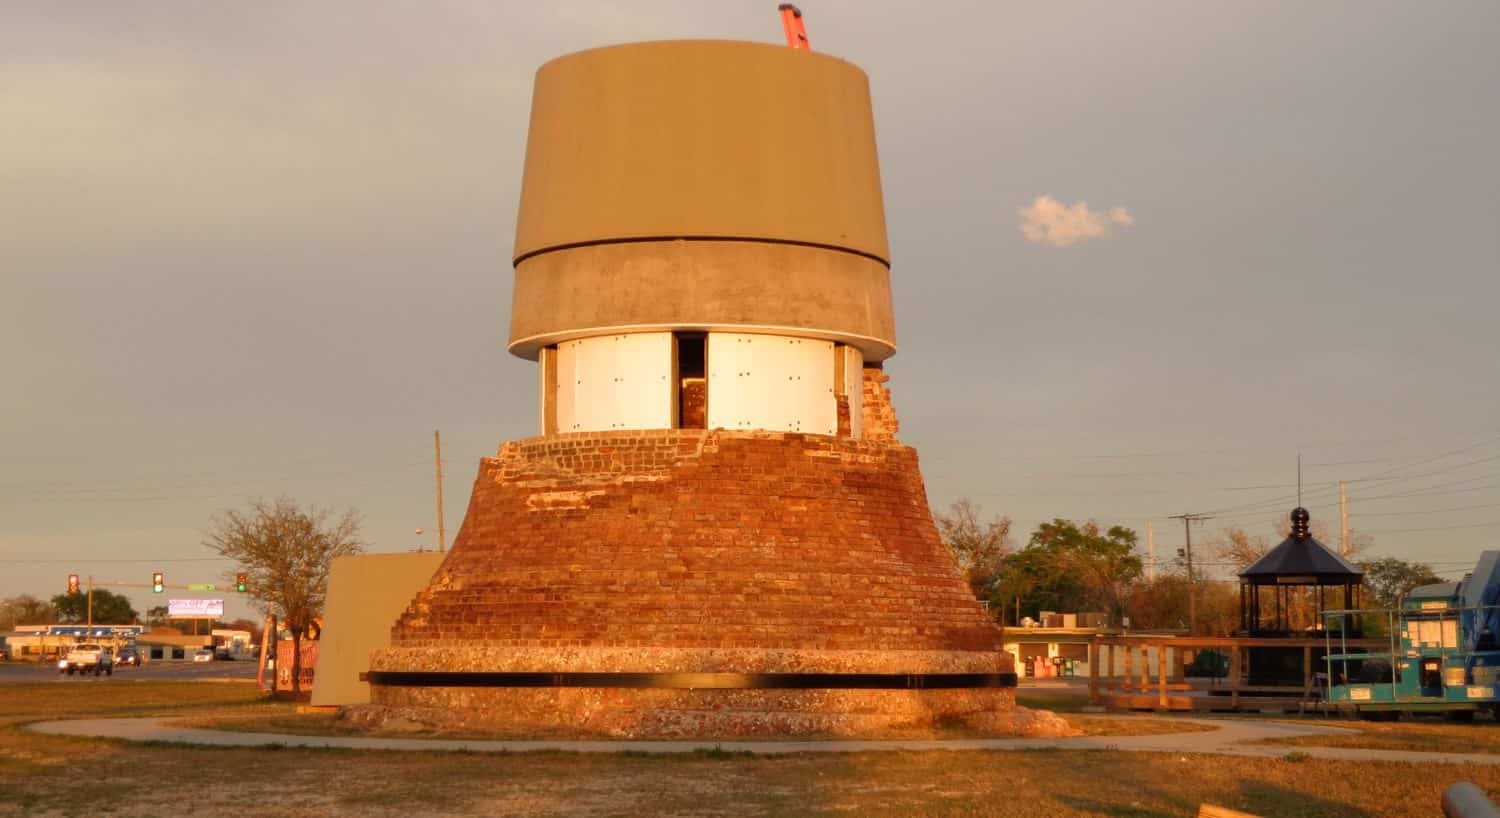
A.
pixel 1424 734
pixel 56 776
pixel 1058 700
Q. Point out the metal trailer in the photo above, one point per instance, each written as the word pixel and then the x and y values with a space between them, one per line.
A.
pixel 1444 652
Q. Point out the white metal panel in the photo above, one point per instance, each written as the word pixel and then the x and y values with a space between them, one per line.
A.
pixel 567 379
pixel 615 382
pixel 772 382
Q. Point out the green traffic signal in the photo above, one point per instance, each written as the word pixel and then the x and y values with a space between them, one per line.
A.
pixel 158 582
pixel 241 582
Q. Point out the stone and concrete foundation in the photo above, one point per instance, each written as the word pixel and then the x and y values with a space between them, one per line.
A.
pixel 696 552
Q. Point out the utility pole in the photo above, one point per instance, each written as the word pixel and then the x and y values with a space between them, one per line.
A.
pixel 1343 521
pixel 437 465
pixel 1150 554
pixel 1187 529
pixel 91 602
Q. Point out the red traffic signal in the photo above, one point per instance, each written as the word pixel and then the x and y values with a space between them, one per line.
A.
pixel 72 583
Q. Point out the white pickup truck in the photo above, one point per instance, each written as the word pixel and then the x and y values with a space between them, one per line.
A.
pixel 87 658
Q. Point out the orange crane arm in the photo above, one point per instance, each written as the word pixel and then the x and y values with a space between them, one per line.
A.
pixel 796 30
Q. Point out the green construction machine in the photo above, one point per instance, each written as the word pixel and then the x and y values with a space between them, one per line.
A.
pixel 1444 652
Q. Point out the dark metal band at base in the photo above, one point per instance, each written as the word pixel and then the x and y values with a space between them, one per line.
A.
pixel 696 681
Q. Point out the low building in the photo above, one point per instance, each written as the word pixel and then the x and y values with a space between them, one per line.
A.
pixel 42 643
pixel 1060 641
pixel 169 645
pixel 233 644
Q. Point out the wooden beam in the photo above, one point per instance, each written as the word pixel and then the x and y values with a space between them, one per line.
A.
pixel 1211 811
pixel 1161 675
pixel 1094 671
pixel 1234 676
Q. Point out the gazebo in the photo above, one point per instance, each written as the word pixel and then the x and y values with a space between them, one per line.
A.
pixel 1285 592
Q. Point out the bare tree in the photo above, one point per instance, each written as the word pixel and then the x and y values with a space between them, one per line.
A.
pixel 1239 549
pixel 25 610
pixel 980 548
pixel 286 553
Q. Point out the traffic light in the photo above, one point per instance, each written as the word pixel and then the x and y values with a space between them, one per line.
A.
pixel 241 582
pixel 158 582
pixel 72 583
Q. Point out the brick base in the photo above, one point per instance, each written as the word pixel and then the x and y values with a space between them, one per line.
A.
pixel 695 551
pixel 667 714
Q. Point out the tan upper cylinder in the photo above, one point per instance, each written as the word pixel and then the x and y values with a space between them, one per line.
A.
pixel 701 184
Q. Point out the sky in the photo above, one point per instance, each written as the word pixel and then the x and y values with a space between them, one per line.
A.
pixel 1144 256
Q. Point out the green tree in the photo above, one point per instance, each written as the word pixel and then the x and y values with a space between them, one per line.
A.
pixel 287 553
pixel 1163 604
pixel 1067 566
pixel 1032 580
pixel 979 548
pixel 109 608
pixel 25 609
pixel 1388 580
pixel 156 615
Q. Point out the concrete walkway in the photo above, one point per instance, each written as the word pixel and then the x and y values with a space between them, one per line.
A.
pixel 1230 737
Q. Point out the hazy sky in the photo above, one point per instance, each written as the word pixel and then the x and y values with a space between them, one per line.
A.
pixel 249 249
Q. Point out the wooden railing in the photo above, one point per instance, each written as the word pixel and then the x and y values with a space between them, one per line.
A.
pixel 1136 686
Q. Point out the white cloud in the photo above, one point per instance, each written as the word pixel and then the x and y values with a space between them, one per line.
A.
pixel 1048 221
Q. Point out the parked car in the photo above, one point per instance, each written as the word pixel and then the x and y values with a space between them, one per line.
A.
pixel 128 656
pixel 87 658
pixel 203 656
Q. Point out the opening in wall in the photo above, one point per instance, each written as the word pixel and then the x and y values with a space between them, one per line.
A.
pixel 692 383
pixel 547 389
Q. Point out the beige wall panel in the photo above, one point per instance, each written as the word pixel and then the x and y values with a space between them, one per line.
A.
pixel 701 138
pixel 702 285
pixel 365 595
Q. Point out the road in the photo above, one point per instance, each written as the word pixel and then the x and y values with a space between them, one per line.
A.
pixel 16 672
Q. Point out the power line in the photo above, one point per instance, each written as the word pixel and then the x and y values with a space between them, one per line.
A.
pixel 1429 511
pixel 275 472
pixel 70 493
pixel 1433 528
pixel 188 497
pixel 1266 509
pixel 1258 516
pixel 1378 475
pixel 1430 491
pixel 47 560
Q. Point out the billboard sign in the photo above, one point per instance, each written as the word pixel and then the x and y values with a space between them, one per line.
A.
pixel 195 608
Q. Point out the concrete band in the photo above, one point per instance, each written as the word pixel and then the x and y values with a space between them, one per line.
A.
pixel 745 286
